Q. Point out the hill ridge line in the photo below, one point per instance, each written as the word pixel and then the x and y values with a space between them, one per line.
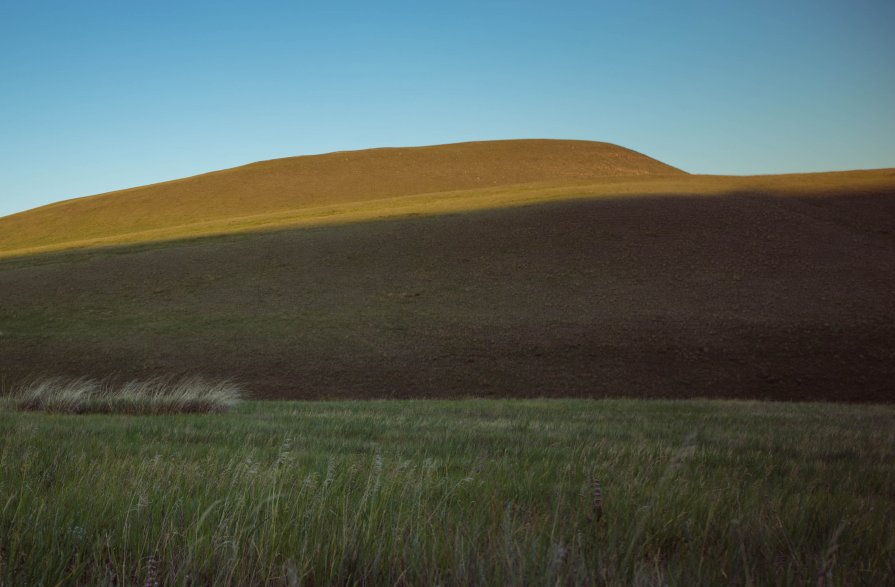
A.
pixel 332 179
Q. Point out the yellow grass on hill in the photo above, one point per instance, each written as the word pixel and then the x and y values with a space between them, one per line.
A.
pixel 295 190
pixel 387 183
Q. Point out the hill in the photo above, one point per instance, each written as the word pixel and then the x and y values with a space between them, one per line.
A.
pixel 776 287
pixel 289 191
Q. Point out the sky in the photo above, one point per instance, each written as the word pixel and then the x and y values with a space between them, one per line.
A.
pixel 97 96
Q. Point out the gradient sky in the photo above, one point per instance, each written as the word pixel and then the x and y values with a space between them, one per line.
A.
pixel 96 96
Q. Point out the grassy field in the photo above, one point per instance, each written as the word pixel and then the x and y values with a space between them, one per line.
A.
pixel 452 493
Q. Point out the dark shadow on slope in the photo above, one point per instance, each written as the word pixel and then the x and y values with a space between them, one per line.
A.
pixel 741 295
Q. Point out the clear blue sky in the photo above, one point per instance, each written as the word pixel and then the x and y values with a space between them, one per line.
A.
pixel 96 96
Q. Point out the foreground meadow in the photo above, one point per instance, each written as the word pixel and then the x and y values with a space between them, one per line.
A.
pixel 452 493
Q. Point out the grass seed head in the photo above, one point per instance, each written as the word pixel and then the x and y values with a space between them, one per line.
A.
pixel 597 499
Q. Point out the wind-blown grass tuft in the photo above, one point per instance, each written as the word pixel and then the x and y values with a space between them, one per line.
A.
pixel 152 396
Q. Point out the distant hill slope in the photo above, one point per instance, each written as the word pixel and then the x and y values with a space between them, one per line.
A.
pixel 770 288
pixel 224 200
pixel 518 268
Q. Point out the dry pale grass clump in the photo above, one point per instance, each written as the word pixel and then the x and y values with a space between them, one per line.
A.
pixel 160 395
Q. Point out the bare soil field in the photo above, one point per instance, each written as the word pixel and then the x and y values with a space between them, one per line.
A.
pixel 772 288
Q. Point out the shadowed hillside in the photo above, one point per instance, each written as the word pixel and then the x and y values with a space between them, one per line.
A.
pixel 774 287
pixel 281 191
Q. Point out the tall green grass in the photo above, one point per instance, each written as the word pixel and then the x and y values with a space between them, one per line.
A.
pixel 452 493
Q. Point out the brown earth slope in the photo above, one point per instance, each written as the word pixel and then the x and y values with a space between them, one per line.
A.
pixel 764 287
pixel 275 192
